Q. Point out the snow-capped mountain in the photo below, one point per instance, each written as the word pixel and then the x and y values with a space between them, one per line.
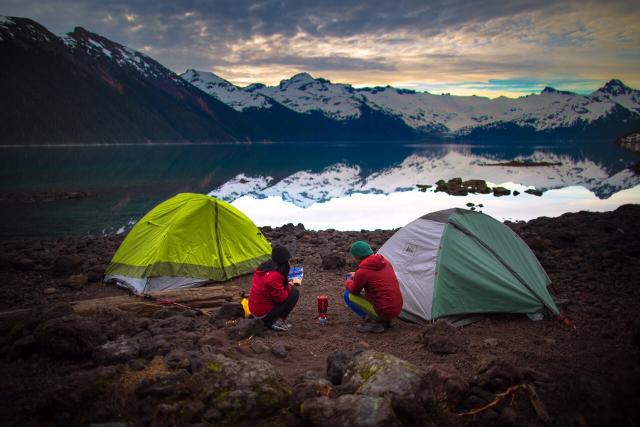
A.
pixel 304 188
pixel 84 88
pixel 426 112
pixel 226 92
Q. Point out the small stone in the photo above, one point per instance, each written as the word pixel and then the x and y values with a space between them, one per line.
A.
pixel 163 313
pixel 473 402
pixel 245 328
pixel 136 365
pixel 23 264
pixel 509 416
pixel 279 350
pixel 362 345
pixel 333 261
pixel 550 341
pixel 483 394
pixel 77 281
pixel 120 351
pixel 49 291
pixel 228 310
pixel 210 340
pixel 189 313
pixel 258 346
pixel 337 363
pixel 491 342
pixel 66 264
pixel 443 338
pixel 533 192
pixel 501 191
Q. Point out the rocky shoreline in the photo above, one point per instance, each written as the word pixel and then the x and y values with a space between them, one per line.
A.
pixel 181 368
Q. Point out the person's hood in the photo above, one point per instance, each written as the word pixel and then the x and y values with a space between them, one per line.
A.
pixel 373 262
pixel 265 267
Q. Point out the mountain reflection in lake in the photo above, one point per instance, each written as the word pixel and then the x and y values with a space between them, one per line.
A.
pixel 341 186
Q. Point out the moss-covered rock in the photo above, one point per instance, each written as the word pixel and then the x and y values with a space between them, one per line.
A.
pixel 406 386
pixel 349 410
pixel 234 390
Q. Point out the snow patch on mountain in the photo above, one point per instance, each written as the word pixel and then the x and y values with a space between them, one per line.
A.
pixel 225 91
pixel 242 185
pixel 302 188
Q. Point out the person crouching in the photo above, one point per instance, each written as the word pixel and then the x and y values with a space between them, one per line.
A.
pixel 382 300
pixel 272 297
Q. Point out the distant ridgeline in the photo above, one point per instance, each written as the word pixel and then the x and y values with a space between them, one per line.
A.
pixel 84 88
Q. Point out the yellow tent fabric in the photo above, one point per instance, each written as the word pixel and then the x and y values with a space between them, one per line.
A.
pixel 191 236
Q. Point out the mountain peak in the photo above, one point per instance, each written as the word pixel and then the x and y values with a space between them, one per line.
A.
pixel 615 87
pixel 6 20
pixel 549 89
pixel 206 77
pixel 302 77
pixel 297 80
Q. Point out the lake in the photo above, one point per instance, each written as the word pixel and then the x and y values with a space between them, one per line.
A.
pixel 348 186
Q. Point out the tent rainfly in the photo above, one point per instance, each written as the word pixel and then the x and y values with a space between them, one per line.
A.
pixel 459 262
pixel 186 241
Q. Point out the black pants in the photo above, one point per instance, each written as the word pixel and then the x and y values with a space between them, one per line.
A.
pixel 283 309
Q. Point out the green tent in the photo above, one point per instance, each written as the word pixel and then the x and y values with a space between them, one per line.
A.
pixel 186 241
pixel 460 262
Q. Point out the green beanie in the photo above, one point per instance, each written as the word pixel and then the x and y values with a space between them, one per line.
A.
pixel 361 249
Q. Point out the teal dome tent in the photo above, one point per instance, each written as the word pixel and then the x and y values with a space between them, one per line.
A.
pixel 460 262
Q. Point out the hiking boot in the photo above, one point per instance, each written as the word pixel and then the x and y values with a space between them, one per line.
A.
pixel 372 327
pixel 280 326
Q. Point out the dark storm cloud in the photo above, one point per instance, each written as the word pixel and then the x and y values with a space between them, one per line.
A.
pixel 350 37
pixel 322 63
pixel 176 23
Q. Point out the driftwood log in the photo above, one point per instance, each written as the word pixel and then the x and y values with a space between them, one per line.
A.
pixel 198 298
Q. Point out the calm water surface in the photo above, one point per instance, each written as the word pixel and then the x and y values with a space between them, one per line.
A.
pixel 321 185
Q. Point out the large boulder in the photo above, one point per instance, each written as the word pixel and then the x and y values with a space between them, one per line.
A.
pixel 80 397
pixel 69 337
pixel 443 338
pixel 236 390
pixel 498 375
pixel 309 389
pixel 446 383
pixel 404 384
pixel 121 350
pixel 349 410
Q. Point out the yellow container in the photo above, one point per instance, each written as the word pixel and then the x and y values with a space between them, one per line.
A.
pixel 245 305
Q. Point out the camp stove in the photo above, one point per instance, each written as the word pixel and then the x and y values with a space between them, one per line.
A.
pixel 323 306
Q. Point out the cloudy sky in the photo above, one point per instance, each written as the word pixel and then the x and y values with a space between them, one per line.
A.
pixel 483 47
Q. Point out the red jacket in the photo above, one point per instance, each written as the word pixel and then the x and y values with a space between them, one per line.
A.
pixel 267 290
pixel 376 276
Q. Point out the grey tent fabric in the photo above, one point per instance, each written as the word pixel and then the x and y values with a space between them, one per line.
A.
pixel 414 252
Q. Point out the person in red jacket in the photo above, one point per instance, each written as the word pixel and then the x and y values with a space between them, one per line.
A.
pixel 382 300
pixel 272 297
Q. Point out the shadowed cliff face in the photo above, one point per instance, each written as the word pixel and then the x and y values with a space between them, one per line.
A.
pixel 83 88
